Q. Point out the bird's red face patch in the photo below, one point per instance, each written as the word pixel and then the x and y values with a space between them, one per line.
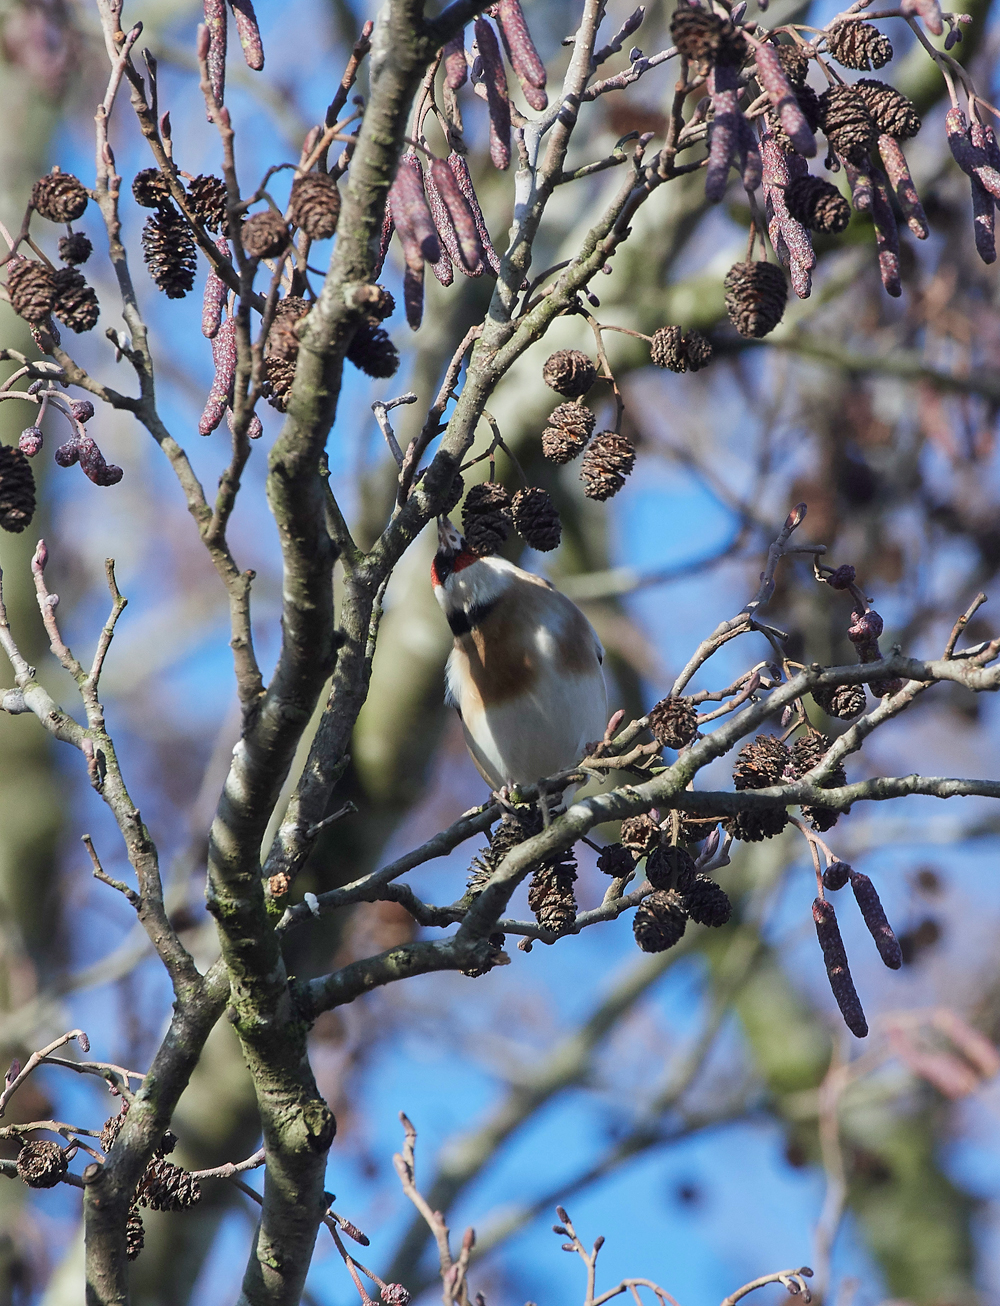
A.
pixel 445 564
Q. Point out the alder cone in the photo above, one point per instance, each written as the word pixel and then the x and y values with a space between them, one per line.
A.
pixel 135 1235
pixel 315 205
pixel 551 897
pixel 891 111
pixel 660 921
pixel 280 375
pixel 570 427
pixel 817 204
pixel 150 189
pixel 486 518
pixel 859 45
pixel 166 1187
pixel 806 752
pixel 670 867
pixel 17 490
pixel 706 903
pixel 847 123
pixel 667 349
pixel 705 37
pixel 32 289
pixel 842 701
pixel 795 63
pixel 615 860
pixel 640 834
pixel 759 765
pixel 76 300
pixel 373 352
pixel 570 372
pixel 168 249
pixel 756 294
pixel 75 248
pixel 282 339
pixel 208 199
pixel 59 196
pixel 674 722
pixel 698 350
pixel 608 461
pixel 41 1164
pixel 536 519
pixel 808 102
pixel 265 235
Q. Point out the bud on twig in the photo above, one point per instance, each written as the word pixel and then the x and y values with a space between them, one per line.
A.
pixel 495 80
pixel 875 918
pixel 837 970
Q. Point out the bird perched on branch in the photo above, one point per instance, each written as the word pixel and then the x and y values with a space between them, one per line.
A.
pixel 525 672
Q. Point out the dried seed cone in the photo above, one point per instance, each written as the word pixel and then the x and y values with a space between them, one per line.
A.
pixel 496 941
pixel 848 125
pixel 135 1235
pixel 891 111
pixel 674 722
pixel 615 860
pixel 607 462
pixel 756 294
pixel 806 752
pixel 166 1187
pixel 859 45
pixel 817 204
pixel 874 917
pixel 76 300
pixel 837 970
pixel 75 248
pixel 32 289
pixel 150 189
pixel 17 490
pixel 795 62
pixel 842 701
pixel 168 248
pixel 373 352
pixel 207 194
pixel 282 339
pixel 59 196
pixel 570 372
pixel 836 876
pixel 512 830
pixel 660 921
pixel 640 834
pixel 486 518
pixel 667 350
pixel 706 903
pixel 759 765
pixel 265 235
pixel 705 37
pixel 550 895
pixel 698 349
pixel 570 427
pixel 112 1128
pixel 315 205
pixel 41 1164
pixel 808 102
pixel 536 519
pixel 670 867
pixel 280 375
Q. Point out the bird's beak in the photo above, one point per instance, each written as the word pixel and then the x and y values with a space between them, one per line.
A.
pixel 450 541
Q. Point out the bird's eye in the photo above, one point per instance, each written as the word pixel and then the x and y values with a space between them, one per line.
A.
pixel 442 566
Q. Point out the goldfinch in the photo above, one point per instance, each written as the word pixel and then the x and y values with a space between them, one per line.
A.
pixel 525 672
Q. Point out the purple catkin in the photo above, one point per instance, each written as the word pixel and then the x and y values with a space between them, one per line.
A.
pixel 984 221
pixel 94 466
pixel 779 168
pixel 973 161
pixel 874 917
pixel 30 441
pixel 221 394
pixel 444 269
pixel 495 80
pixel 750 163
pixel 456 68
pixel 453 219
pixel 460 171
pixel 388 227
pixel 254 428
pixel 411 215
pixel 898 171
pixel 725 131
pixel 216 20
pixel 886 236
pixel 522 53
pixel 69 453
pixel 837 970
pixel 413 295
pixel 779 91
pixel 929 11
pixel 246 25
pixel 861 187
pixel 214 298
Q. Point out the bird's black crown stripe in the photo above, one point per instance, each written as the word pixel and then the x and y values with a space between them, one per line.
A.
pixel 465 619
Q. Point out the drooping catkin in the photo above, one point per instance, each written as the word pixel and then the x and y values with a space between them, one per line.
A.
pixel 837 970
pixel 875 918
